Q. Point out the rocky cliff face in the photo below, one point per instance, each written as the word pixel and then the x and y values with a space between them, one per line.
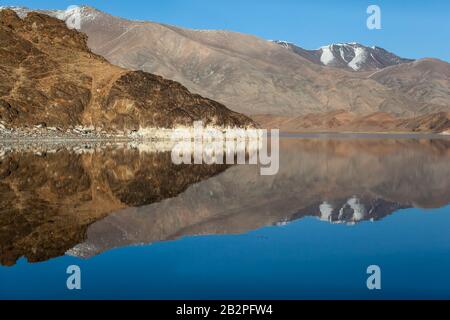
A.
pixel 49 76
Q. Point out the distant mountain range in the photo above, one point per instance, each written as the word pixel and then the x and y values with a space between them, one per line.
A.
pixel 254 76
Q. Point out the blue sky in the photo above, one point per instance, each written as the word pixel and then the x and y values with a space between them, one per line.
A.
pixel 411 29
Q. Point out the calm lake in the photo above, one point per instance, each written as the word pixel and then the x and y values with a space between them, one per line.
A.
pixel 141 227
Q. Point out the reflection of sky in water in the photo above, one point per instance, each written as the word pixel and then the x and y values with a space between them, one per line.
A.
pixel 307 258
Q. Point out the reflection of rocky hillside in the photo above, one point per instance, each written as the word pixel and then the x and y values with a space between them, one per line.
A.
pixel 47 201
pixel 340 181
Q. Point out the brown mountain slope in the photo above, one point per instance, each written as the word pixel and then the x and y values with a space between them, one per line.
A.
pixel 248 74
pixel 49 75
pixel 426 81
pixel 346 121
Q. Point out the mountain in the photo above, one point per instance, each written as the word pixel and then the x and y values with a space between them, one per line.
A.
pixel 248 74
pixel 351 56
pixel 49 76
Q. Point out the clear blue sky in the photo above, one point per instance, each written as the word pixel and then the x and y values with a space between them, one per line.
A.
pixel 414 28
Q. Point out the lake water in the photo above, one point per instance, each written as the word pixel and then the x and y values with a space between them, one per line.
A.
pixel 141 227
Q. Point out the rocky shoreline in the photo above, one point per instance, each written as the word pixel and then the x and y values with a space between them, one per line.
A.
pixel 41 133
pixel 44 148
pixel 81 139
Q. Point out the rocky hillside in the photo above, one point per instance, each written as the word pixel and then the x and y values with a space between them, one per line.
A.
pixel 49 77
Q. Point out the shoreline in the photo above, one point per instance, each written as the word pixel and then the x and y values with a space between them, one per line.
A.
pixel 368 134
pixel 80 133
pixel 164 134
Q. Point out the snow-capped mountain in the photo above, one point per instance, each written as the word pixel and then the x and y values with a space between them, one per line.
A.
pixel 353 56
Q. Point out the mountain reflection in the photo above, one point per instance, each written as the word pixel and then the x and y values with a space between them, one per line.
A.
pixel 48 199
pixel 85 203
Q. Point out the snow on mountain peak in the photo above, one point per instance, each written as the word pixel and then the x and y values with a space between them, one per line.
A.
pixel 360 58
pixel 352 54
pixel 74 16
pixel 283 43
pixel 327 56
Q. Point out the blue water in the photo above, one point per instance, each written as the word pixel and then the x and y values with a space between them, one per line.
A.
pixel 307 259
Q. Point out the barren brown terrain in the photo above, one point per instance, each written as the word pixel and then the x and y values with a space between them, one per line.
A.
pixel 340 121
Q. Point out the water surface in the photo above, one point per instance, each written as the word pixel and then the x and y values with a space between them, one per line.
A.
pixel 142 227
